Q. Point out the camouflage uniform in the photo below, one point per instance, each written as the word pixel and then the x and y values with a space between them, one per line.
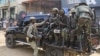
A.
pixel 63 26
pixel 53 24
pixel 84 18
pixel 72 25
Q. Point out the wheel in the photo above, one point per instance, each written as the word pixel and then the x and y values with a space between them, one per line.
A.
pixel 10 42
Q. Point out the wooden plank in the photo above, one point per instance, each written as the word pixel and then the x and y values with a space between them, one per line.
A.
pixel 72 53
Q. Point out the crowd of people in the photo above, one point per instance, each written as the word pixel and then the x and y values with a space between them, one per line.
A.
pixel 7 23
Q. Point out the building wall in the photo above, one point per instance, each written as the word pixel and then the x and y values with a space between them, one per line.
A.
pixel 2 2
pixel 16 5
pixel 92 3
pixel 41 6
pixel 97 11
pixel 70 3
pixel 44 6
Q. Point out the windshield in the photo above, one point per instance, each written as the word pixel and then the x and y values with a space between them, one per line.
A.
pixel 40 17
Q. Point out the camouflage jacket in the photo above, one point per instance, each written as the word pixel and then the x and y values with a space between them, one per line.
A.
pixel 84 12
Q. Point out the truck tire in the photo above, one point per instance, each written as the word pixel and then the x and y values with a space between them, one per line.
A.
pixel 10 42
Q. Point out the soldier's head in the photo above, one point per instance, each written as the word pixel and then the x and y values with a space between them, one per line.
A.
pixel 83 3
pixel 62 12
pixel 32 20
pixel 55 11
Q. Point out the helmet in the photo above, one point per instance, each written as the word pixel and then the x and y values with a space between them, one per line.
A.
pixel 83 3
pixel 62 11
pixel 73 9
pixel 55 10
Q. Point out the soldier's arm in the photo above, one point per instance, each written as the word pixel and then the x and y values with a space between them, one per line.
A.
pixel 29 32
pixel 64 21
pixel 39 24
pixel 66 18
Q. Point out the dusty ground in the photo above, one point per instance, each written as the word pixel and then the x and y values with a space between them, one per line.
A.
pixel 18 51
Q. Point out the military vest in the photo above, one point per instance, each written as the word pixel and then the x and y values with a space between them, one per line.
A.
pixel 83 12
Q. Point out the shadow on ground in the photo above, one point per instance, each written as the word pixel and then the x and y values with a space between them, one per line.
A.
pixel 18 51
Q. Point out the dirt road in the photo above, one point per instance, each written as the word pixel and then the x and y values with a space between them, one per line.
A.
pixel 18 51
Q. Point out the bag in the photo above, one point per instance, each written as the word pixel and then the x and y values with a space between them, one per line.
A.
pixel 84 12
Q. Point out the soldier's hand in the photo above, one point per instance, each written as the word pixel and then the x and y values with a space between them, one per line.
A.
pixel 34 37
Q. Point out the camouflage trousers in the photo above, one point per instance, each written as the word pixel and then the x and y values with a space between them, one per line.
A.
pixel 84 25
pixel 64 33
pixel 62 37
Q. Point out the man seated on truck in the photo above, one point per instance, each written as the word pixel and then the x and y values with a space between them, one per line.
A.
pixel 52 24
pixel 63 21
pixel 32 33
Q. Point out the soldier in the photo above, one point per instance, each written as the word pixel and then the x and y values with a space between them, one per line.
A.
pixel 72 17
pixel 63 25
pixel 84 18
pixel 53 24
pixel 54 16
pixel 72 25
pixel 63 19
pixel 32 33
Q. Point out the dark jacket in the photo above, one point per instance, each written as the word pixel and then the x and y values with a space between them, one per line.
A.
pixel 63 21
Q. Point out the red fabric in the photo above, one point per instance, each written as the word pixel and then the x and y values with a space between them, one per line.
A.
pixel 94 41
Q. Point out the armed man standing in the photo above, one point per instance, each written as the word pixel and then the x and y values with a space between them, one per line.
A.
pixel 54 16
pixel 84 19
pixel 33 34
pixel 53 24
pixel 63 21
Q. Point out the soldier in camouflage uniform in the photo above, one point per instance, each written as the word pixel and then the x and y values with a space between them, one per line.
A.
pixel 63 21
pixel 72 25
pixel 84 17
pixel 54 17
pixel 53 24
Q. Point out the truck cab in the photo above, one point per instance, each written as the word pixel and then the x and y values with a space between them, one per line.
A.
pixel 16 34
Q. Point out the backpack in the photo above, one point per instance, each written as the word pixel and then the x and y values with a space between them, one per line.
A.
pixel 84 12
